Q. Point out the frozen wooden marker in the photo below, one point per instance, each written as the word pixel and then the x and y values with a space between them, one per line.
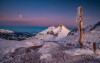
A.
pixel 80 21
pixel 94 47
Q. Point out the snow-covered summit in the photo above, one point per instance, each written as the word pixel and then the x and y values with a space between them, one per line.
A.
pixel 47 30
pixel 6 31
pixel 53 33
pixel 62 31
pixel 40 35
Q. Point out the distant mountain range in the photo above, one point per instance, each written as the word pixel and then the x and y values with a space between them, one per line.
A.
pixel 59 33
pixel 11 35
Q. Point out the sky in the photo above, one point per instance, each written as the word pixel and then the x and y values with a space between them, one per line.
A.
pixel 47 12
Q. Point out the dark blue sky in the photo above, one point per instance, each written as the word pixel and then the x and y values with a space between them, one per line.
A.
pixel 47 12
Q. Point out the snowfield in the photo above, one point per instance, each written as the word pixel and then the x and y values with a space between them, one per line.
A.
pixel 53 45
pixel 10 45
pixel 50 52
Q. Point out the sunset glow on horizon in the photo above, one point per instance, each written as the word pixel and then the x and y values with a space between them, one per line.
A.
pixel 46 12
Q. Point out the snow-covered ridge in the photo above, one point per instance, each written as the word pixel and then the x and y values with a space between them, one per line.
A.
pixel 53 33
pixel 91 33
pixel 87 28
pixel 6 31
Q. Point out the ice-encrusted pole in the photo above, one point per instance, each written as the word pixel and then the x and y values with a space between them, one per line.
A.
pixel 80 20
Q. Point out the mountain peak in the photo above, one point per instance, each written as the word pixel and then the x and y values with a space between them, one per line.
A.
pixel 53 33
pixel 60 25
pixel 51 27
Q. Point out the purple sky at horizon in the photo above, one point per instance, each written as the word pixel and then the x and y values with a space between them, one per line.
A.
pixel 47 12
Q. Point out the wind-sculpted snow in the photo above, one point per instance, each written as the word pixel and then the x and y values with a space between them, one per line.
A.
pixel 49 52
pixel 10 45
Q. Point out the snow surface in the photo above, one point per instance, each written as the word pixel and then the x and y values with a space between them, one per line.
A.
pixel 10 45
pixel 50 52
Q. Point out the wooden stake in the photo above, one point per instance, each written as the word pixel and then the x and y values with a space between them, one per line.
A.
pixel 81 34
pixel 94 47
pixel 80 19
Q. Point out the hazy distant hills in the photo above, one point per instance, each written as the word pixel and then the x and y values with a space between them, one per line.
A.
pixel 11 35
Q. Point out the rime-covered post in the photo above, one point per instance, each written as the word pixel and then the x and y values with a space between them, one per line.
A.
pixel 80 20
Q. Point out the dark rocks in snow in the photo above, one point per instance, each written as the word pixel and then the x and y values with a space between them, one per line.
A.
pixel 96 25
pixel 73 31
pixel 52 33
pixel 35 48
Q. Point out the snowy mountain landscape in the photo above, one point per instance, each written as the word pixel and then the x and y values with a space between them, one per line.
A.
pixel 53 45
pixel 49 31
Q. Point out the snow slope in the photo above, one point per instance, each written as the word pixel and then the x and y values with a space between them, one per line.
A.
pixel 50 52
pixel 91 34
pixel 10 45
pixel 53 33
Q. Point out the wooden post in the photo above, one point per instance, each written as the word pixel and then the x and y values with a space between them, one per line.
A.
pixel 81 35
pixel 80 19
pixel 94 47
